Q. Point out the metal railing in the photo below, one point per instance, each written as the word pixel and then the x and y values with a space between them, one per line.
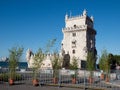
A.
pixel 71 78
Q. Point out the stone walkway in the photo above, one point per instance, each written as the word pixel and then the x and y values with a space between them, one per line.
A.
pixel 30 87
pixel 114 85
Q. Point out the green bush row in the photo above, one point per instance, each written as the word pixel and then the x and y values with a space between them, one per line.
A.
pixel 5 77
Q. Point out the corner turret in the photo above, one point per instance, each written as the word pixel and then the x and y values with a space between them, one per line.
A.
pixel 84 12
pixel 92 18
pixel 66 16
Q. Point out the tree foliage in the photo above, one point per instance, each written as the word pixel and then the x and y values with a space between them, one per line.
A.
pixel 117 58
pixel 56 61
pixel 74 64
pixel 15 54
pixel 103 59
pixel 113 59
pixel 104 62
pixel 90 65
pixel 38 58
pixel 49 45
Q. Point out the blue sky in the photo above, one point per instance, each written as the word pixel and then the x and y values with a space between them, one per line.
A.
pixel 31 23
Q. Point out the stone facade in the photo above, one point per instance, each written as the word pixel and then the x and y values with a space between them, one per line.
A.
pixel 46 63
pixel 78 37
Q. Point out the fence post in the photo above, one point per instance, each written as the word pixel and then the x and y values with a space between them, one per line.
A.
pixel 59 78
pixel 111 79
pixel 84 80
pixel 40 79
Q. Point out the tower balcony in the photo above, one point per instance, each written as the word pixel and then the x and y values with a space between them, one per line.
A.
pixel 81 27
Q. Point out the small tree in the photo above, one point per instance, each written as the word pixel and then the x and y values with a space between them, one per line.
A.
pixel 107 64
pixel 14 57
pixel 104 62
pixel 40 55
pixel 74 64
pixel 38 58
pixel 56 63
pixel 90 63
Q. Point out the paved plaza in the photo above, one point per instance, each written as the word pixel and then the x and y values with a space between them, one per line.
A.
pixel 22 86
pixel 30 87
pixel 64 81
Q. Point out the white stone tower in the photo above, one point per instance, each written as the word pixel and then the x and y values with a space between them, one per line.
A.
pixel 79 37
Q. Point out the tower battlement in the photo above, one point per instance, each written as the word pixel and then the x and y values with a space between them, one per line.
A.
pixel 79 20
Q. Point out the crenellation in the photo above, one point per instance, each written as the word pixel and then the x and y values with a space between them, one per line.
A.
pixel 75 17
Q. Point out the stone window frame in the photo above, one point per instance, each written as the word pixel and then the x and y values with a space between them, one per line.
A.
pixel 73 43
pixel 74 34
pixel 73 51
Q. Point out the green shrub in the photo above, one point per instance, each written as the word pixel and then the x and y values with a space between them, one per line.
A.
pixel 5 76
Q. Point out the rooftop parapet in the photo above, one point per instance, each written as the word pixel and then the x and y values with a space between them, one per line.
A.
pixel 83 15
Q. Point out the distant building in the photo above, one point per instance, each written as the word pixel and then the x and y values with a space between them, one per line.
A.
pixel 78 37
pixel 4 59
pixel 46 63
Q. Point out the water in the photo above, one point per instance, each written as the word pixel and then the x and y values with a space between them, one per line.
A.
pixel 20 65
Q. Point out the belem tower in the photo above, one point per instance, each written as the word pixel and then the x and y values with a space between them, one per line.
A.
pixel 79 37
